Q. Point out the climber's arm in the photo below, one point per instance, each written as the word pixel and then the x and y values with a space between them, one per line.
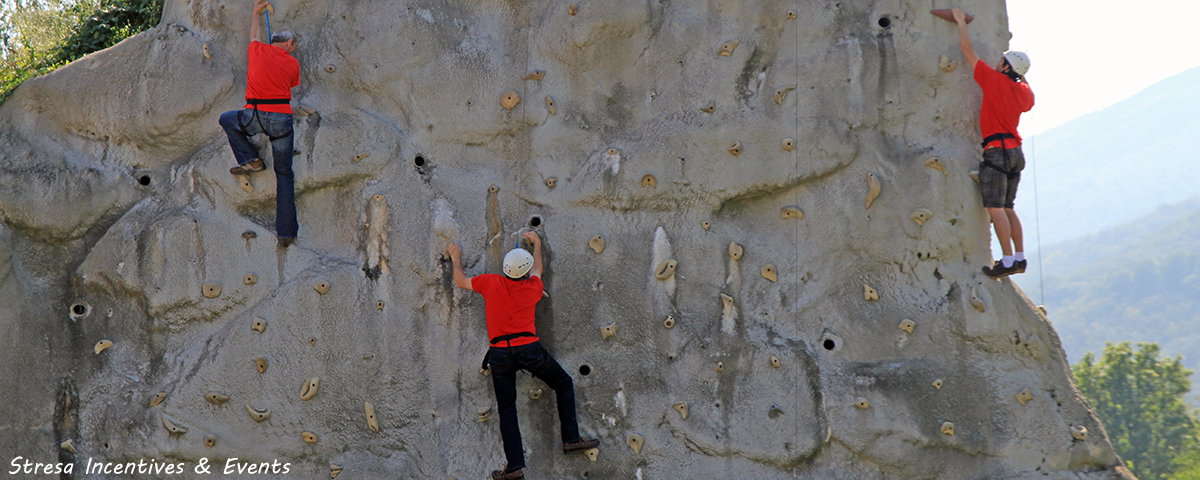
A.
pixel 536 271
pixel 259 6
pixel 964 40
pixel 460 278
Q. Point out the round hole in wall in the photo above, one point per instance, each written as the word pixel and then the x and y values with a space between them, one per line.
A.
pixel 585 369
pixel 829 344
pixel 885 22
pixel 419 161
pixel 535 221
pixel 79 309
pixel 144 180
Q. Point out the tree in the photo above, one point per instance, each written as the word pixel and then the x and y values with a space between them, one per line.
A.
pixel 1140 399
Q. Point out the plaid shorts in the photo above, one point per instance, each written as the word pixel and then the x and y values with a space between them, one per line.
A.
pixel 999 189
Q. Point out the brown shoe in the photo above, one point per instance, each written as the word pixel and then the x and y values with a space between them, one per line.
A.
pixel 505 474
pixel 581 444
pixel 252 166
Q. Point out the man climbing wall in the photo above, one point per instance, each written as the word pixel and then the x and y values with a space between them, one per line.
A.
pixel 270 77
pixel 1006 95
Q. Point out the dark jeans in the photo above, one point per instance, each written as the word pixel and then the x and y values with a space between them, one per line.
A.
pixel 537 361
pixel 239 126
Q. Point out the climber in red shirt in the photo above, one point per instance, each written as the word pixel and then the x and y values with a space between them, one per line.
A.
pixel 1006 95
pixel 509 303
pixel 270 77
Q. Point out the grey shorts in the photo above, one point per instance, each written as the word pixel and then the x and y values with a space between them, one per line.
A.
pixel 999 189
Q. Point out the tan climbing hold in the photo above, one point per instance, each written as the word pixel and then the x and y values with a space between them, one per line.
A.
pixel 608 332
pixel 681 407
pixel 775 363
pixel 258 415
pixel 535 75
pixel 736 148
pixel 334 470
pixel 261 363
pixel 551 183
pixel 1079 432
pixel 873 188
pixel 372 422
pixel 592 453
pixel 1042 308
pixel 946 64
pixel 974 174
pixel 727 305
pixel 870 294
pixel 485 371
pixel 669 322
pixel 921 215
pixel 509 99
pixel 597 243
pixel 550 106
pixel 250 279
pixel 210 441
pixel 206 53
pixel 727 48
pixel 936 164
pixel 259 325
pixel 535 393
pixel 359 157
pixel 769 273
pixel 937 384
pixel 216 398
pixel 665 269
pixel 211 290
pixel 791 211
pixel 572 9
pixel 710 107
pixel 493 188
pixel 1024 397
pixel 976 301
pixel 720 367
pixel 735 250
pixel 101 345
pixel 791 15
pixel 781 94
pixel 244 182
pixel 68 445
pixel 158 398
pixel 635 442
pixel 330 68
pixel 309 437
pixel 172 427
pixel 322 287
pixel 483 414
pixel 948 429
pixel 862 403
pixel 612 152
pixel 649 181
pixel 908 325
pixel 706 225
pixel 304 110
pixel 309 390
pixel 789 144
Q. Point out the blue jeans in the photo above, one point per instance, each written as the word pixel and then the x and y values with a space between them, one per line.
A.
pixel 537 361
pixel 239 126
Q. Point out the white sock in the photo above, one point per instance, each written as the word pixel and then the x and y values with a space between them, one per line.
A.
pixel 1007 261
pixel 1020 256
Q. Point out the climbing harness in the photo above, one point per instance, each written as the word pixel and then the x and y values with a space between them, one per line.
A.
pixel 1004 149
pixel 255 102
pixel 506 339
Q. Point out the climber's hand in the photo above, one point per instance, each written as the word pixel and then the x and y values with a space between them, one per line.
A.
pixel 454 250
pixel 960 16
pixel 533 238
pixel 259 6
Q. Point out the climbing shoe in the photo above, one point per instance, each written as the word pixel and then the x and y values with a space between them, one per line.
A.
pixel 507 474
pixel 252 166
pixel 998 270
pixel 1020 265
pixel 581 444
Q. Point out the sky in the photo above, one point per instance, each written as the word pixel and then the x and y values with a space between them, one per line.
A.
pixel 1089 54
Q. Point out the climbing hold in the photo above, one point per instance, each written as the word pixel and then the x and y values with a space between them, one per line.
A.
pixel 334 470
pixel 948 428
pixel 920 215
pixel 936 164
pixel 736 148
pixel 597 243
pixel 322 287
pixel 572 9
pixel 330 68
pixel 309 389
pixel 976 301
pixel 791 212
pixel 608 332
pixel 211 290
pixel 210 441
pixel 1024 397
pixel 869 293
pixel 710 107
pixel 908 325
pixel 250 279
pixel 669 322
pixel 261 363
pixel 206 55
pixel 304 110
pixel 775 362
pixel 873 188
pixel 735 250
pixel 1042 308
pixel 862 403
pixel 379 305
pixel 258 415
pixel 937 384
pixel 483 414
pixel 665 269
pixel 550 106
pixel 727 48
pixel 79 310
pixel 948 15
pixel 1079 432
pixel 789 144
pixel 551 183
pixel 706 224
pixel 946 64
pixel 259 325
pixel 68 445
pixel 535 394
pixel 172 427
pixel 493 188
pixel 635 442
pixel 775 411
pixel 681 407
pixel 372 422
pixel 535 75
pixel 312 341
pixel 216 398
pixel 592 453
pixel 249 234
pixel 791 15
pixel 974 174
pixel 781 94
pixel 720 367
pixel 309 437
pixel 158 398
pixel 649 181
pixel 359 157
pixel 245 183
pixel 101 345
pixel 509 99
pixel 768 272
pixel 485 371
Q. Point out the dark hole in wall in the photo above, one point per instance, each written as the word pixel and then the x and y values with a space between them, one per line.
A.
pixel 79 308
pixel 144 180
pixel 585 369
pixel 535 221
pixel 829 344
pixel 885 22
pixel 419 161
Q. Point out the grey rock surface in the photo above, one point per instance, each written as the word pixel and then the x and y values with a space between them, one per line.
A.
pixel 120 222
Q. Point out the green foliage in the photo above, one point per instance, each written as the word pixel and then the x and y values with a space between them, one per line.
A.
pixel 114 21
pixel 1139 398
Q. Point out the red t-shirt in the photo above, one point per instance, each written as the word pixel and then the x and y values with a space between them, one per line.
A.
pixel 1003 103
pixel 509 305
pixel 271 74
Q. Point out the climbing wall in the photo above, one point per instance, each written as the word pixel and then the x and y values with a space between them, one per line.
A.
pixel 761 231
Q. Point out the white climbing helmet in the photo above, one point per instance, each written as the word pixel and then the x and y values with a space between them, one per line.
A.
pixel 517 263
pixel 1018 60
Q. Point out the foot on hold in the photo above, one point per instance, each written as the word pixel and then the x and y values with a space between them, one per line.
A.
pixel 507 474
pixel 998 270
pixel 1019 266
pixel 581 444
pixel 255 165
pixel 286 242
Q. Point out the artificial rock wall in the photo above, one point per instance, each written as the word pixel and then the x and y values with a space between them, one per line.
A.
pixel 755 268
